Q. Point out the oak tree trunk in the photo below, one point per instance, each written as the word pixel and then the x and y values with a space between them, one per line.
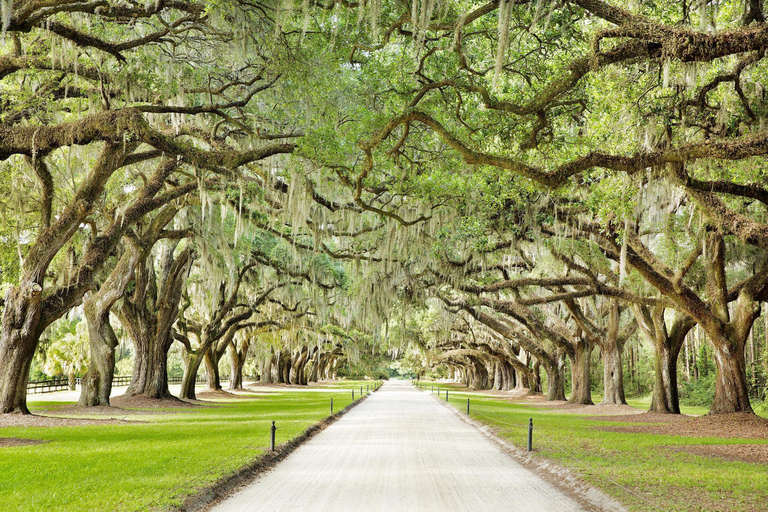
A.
pixel 266 371
pixel 192 361
pixel 97 383
pixel 213 379
pixel 236 363
pixel 20 336
pixel 665 397
pixel 613 374
pixel 150 369
pixel 581 392
pixel 313 374
pixel 555 380
pixel 731 390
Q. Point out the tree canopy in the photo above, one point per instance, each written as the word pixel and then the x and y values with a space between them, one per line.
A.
pixel 477 189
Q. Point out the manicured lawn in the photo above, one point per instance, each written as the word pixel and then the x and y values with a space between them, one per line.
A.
pixel 155 460
pixel 640 470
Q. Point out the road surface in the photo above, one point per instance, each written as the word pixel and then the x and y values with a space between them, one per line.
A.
pixel 400 450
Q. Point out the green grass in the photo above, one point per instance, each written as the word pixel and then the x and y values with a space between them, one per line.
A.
pixel 638 469
pixel 644 403
pixel 157 459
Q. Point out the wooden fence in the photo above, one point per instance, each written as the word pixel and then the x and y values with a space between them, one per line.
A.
pixel 62 384
pixel 47 386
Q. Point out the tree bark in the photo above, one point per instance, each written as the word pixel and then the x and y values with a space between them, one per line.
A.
pixel 192 362
pixel 665 397
pixel 150 369
pixel 20 336
pixel 284 367
pixel 213 379
pixel 236 370
pixel 237 356
pixel 581 392
pixel 613 374
pixel 731 389
pixel 149 316
pixel 266 369
pixel 555 380
pixel 479 378
pixel 297 367
pixel 313 374
pixel 534 381
pixel 498 380
pixel 97 383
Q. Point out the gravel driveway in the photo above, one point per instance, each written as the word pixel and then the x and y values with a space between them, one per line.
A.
pixel 400 450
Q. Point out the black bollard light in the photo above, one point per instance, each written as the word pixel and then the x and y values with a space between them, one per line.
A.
pixel 272 439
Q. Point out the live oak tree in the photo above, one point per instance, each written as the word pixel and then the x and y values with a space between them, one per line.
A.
pixel 620 150
pixel 136 248
pixel 95 105
pixel 590 91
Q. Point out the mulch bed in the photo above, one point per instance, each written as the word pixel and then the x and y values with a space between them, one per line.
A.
pixel 34 420
pixel 220 393
pixel 155 403
pixel 642 417
pixel 17 441
pixel 727 426
pixel 99 410
pixel 752 453
pixel 599 411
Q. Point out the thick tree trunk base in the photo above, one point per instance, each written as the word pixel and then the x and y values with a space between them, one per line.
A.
pixel 20 337
pixel 731 391
pixel 665 399
pixel 581 392
pixel 555 384
pixel 613 377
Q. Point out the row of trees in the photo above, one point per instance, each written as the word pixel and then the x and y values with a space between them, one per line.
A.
pixel 146 184
pixel 560 178
pixel 602 170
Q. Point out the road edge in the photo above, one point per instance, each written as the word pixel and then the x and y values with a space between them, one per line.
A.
pixel 212 495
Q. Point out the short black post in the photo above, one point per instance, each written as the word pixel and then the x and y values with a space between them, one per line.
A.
pixel 433 389
pixel 353 395
pixel 530 434
pixel 361 390
pixel 331 406
pixel 446 395
pixel 366 388
pixel 467 406
pixel 272 440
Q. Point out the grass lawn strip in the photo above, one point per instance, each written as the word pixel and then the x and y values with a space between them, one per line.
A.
pixel 129 463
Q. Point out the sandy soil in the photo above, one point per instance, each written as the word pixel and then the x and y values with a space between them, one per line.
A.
pixel 753 453
pixel 728 426
pixel 400 450
pixel 34 420
pixel 154 403
pixel 17 441
pixel 220 394
pixel 598 410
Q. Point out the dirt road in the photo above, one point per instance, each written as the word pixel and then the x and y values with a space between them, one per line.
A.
pixel 400 450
